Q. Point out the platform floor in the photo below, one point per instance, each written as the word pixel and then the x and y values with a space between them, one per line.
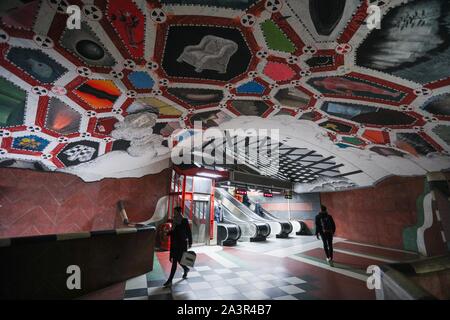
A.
pixel 279 269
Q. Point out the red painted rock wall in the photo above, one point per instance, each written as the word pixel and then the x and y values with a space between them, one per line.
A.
pixel 376 215
pixel 34 203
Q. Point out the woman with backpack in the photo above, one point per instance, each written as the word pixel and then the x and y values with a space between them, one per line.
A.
pixel 326 227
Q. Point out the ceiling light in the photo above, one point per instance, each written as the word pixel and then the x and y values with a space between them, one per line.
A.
pixel 209 175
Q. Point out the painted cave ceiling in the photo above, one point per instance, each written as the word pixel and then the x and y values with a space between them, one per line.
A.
pixel 353 105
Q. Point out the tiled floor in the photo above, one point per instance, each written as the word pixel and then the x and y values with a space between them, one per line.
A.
pixel 219 284
pixel 279 269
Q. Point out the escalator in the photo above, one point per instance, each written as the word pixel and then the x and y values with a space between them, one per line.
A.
pixel 233 213
pixel 250 231
pixel 279 228
pixel 285 225
pixel 228 234
pixel 297 226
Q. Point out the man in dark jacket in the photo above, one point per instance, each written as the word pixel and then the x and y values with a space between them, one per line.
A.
pixel 180 238
pixel 326 227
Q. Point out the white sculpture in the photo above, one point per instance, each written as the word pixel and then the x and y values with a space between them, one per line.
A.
pixel 212 53
pixel 138 129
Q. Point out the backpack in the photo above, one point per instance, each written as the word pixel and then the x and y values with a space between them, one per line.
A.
pixel 326 223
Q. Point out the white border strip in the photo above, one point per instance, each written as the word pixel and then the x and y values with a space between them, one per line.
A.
pixel 367 256
pixel 379 247
pixel 287 252
pixel 333 269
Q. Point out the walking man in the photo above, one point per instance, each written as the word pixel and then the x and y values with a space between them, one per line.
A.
pixel 325 227
pixel 180 238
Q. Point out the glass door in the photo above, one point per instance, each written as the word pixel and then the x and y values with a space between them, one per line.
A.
pixel 200 219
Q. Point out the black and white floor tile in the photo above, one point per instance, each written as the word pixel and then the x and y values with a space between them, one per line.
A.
pixel 205 283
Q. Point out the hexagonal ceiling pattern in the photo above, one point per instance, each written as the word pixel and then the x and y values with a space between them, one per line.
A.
pixel 375 100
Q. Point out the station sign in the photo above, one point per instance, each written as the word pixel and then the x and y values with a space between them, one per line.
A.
pixel 268 194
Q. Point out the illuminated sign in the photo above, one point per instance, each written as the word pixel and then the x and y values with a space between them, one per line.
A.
pixel 241 191
pixel 268 194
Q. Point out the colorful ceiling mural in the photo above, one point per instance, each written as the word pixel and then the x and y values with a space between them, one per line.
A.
pixel 137 71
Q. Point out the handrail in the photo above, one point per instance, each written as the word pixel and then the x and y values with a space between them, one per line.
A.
pixel 124 216
pixel 123 212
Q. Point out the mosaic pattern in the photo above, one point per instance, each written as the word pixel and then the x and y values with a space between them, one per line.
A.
pixel 78 152
pixel 326 15
pixel 409 57
pixel 210 118
pixel 36 63
pixel 129 24
pixel 368 115
pixel 414 144
pixel 141 80
pixel 61 118
pixel 197 97
pixel 99 94
pixel 275 38
pixel 443 132
pixel 235 4
pixel 278 71
pixel 12 104
pixel 354 87
pixel 337 126
pixel 22 17
pixel 105 125
pixel 164 109
pixel 30 143
pixel 85 45
pixel 292 97
pixel 252 87
pixel 384 92
pixel 205 52
pixel 438 105
pixel 250 108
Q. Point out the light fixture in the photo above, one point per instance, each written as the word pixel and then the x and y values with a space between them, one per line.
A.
pixel 268 194
pixel 209 175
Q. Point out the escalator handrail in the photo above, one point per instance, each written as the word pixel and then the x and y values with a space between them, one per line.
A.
pixel 271 216
pixel 234 217
pixel 244 209
pixel 237 220
pixel 267 213
pixel 230 213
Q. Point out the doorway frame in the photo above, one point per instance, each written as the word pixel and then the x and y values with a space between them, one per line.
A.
pixel 178 196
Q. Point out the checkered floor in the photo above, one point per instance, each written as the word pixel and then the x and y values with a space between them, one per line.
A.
pixel 205 283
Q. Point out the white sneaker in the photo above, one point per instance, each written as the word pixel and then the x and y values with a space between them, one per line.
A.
pixel 328 259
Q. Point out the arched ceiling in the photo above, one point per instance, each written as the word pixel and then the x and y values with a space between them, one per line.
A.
pixel 103 100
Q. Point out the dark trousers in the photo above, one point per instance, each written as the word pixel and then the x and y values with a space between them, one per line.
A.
pixel 327 239
pixel 174 269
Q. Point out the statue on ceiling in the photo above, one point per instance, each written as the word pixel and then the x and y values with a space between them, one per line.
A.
pixel 138 129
